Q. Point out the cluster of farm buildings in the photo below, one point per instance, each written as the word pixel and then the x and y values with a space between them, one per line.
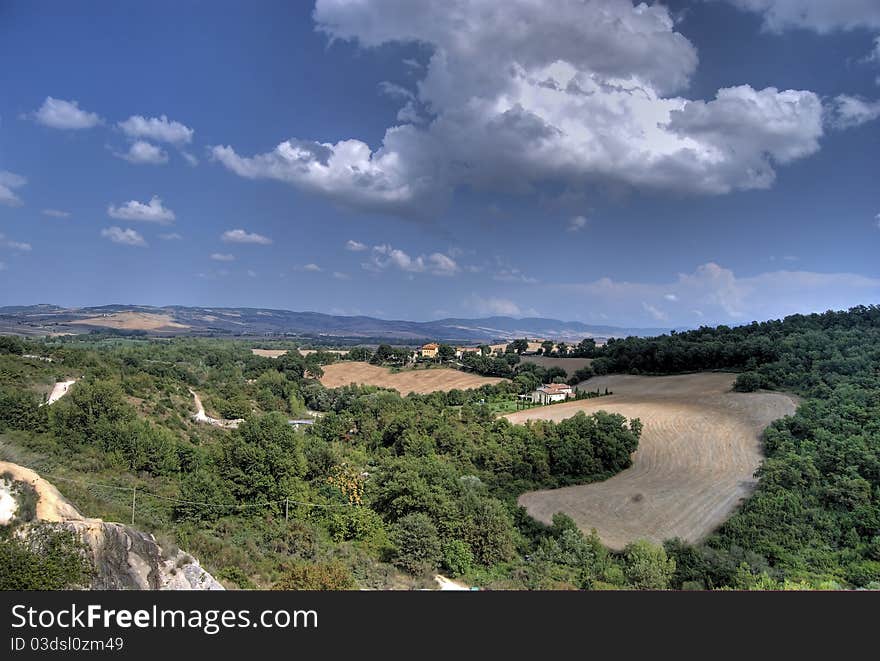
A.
pixel 547 393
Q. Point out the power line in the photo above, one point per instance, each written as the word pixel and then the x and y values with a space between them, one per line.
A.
pixel 194 503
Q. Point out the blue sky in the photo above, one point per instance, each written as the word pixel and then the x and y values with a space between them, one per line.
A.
pixel 707 161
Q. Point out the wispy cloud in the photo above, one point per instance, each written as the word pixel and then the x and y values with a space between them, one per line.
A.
pixel 495 306
pixel 17 246
pixel 9 182
pixel 126 237
pixel 56 213
pixel 355 246
pixel 222 257
pixel 241 236
pixel 577 223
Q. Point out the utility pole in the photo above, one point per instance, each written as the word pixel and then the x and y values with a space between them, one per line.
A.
pixel 286 511
pixel 133 499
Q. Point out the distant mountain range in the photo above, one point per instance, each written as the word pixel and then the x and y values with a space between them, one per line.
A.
pixel 260 322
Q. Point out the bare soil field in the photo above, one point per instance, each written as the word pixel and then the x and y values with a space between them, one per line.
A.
pixel 407 381
pixel 570 365
pixel 699 449
pixel 134 321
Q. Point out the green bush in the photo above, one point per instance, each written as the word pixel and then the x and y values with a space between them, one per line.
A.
pixel 45 558
pixel 417 543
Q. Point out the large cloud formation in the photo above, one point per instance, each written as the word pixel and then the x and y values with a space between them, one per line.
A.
pixel 518 93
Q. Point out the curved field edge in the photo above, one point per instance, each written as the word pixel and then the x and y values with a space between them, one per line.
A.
pixel 699 450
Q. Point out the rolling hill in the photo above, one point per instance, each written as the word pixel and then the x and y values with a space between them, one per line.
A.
pixel 231 322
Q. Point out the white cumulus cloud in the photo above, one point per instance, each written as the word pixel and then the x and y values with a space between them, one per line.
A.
pixel 61 114
pixel 142 152
pixel 355 246
pixel 158 129
pixel 573 92
pixel 385 257
pixel 152 211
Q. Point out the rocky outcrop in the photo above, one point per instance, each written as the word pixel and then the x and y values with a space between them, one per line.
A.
pixel 122 558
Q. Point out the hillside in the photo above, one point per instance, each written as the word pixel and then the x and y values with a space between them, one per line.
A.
pixel 40 320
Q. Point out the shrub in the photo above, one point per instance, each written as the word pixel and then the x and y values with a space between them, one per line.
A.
pixel 318 576
pixel 45 558
pixel 417 542
pixel 457 557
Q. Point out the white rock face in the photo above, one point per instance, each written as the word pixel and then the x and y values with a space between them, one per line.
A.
pixel 8 504
pixel 123 558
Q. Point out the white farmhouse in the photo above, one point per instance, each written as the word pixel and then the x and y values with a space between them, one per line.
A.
pixel 549 393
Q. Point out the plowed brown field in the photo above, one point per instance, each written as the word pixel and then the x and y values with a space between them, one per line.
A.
pixel 696 459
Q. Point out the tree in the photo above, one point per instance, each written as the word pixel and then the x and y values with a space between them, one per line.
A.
pixel 383 354
pixel 361 354
pixel 445 353
pixel 747 382
pixel 264 459
pixel 547 346
pixel 647 566
pixel 586 348
pixel 417 543
pixel 9 344
pixel 518 346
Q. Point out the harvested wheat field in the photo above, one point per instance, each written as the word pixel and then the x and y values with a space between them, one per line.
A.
pixel 699 449
pixel 570 365
pixel 269 353
pixel 308 352
pixel 407 381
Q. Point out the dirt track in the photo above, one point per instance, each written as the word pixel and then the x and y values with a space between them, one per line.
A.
pixel 51 505
pixel 696 460
pixel 418 381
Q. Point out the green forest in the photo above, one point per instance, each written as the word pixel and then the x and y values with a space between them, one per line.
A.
pixel 383 491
